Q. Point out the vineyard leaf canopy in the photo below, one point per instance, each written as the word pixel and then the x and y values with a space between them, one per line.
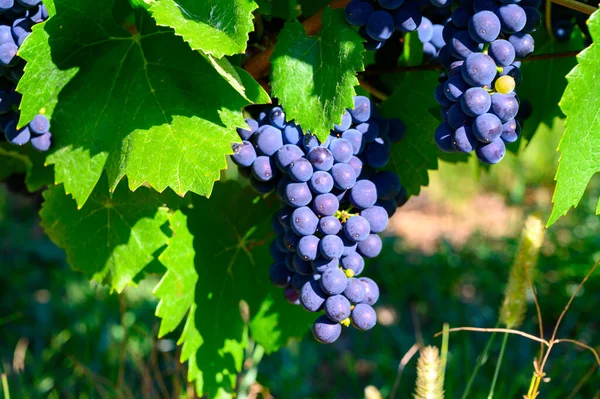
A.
pixel 217 259
pixel 314 77
pixel 580 144
pixel 113 237
pixel 217 27
pixel 128 97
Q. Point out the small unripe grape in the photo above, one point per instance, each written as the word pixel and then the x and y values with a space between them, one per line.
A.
pixel 505 84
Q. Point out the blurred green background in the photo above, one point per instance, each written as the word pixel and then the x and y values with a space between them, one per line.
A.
pixel 446 259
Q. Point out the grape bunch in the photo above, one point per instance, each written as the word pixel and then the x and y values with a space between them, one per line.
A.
pixel 485 39
pixel 430 35
pixel 334 205
pixel 16 21
pixel 378 20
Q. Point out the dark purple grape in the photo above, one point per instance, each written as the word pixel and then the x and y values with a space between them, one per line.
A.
pixel 512 18
pixel 363 194
pixel 268 140
pixel 487 128
pixel 380 26
pixel 361 112
pixel 308 247
pixel 371 291
pixel 300 170
pixel 263 168
pixel 297 194
pixel 326 331
pixel 333 281
pixel 320 158
pixel 370 247
pixel 363 317
pixel 331 247
pixel 326 204
pixel 358 12
pixel 357 228
pixel 476 101
pixel 355 138
pixel 243 153
pixel 523 44
pixel 484 27
pixel 354 262
pixel 479 69
pixel 312 296
pixel 43 142
pixel 355 291
pixel 344 124
pixel 244 134
pixel 443 137
pixel 356 164
pixel 337 308
pixel 491 153
pixel 463 139
pixel 342 150
pixel 319 265
pixel 279 275
pixel 377 218
pixel 454 88
pixel 302 266
pixel 504 106
pixel 408 17
pixel 510 131
pixel 502 51
pixel 343 175
pixel 304 221
pixel 329 225
pixel 277 117
pixel 286 155
pixel 292 134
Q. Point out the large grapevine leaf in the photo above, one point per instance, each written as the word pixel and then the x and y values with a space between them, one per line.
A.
pixel 580 144
pixel 112 237
pixel 216 258
pixel 128 97
pixel 217 27
pixel 413 103
pixel 314 77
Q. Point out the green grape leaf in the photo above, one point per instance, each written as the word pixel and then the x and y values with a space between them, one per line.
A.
pixel 413 103
pixel 28 161
pixel 130 98
pixel 112 237
pixel 544 98
pixel 217 27
pixel 314 77
pixel 580 144
pixel 217 263
pixel 284 9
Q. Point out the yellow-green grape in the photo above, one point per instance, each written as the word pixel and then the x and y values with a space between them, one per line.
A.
pixel 505 84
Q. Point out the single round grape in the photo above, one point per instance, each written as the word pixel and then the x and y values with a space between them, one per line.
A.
pixel 487 128
pixel 502 52
pixel 243 153
pixel 425 30
pixel 443 137
pixel 476 101
pixel 370 43
pixel 337 308
pixel 280 244
pixel 363 317
pixel 333 281
pixel 331 247
pixel 343 176
pixel 356 164
pixel 268 140
pixel 362 109
pixel 326 331
pixel 329 225
pixel 344 124
pixel 377 153
pixel 390 4
pixel 320 158
pixel 389 206
pixel 562 30
pixel 363 194
pixel 445 56
pixel 355 138
pixel 491 153
pixel 463 139
pixel 357 228
pixel 321 182
pixel 484 27
pixel 354 262
pixel 312 296
pixel 408 17
pixel 371 246
pixel 456 117
pixel 308 247
pixel 292 134
pixel 479 69
pixel 8 54
pixel 291 240
pixel 319 265
pixel 358 12
pixel 244 134
pixel 286 155
pixel 461 16
pixel 437 39
pixel 455 87
pixel 510 131
pixel 304 221
pixel 523 44
pixel 505 84
pixel 43 142
pixel 326 204
pixel 377 218
pixel 279 275
pixel 380 26
pixel 355 291
pixel 301 170
pixel 309 141
pixel 291 295
pixel 341 149
pixel 440 96
pixel 448 31
pixel 504 106
pixel 371 291
pixel 297 194
pixel 263 169
pixel 462 45
pixel 277 117
pixel 302 266
pixel 512 17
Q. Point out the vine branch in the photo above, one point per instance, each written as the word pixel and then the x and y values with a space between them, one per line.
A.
pixel 576 5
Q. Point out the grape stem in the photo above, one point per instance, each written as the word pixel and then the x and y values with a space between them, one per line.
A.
pixel 577 6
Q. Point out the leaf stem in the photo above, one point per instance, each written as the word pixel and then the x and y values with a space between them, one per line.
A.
pixel 498 364
pixel 576 5
pixel 5 386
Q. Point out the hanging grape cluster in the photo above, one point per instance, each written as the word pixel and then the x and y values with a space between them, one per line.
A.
pixel 16 21
pixel 334 205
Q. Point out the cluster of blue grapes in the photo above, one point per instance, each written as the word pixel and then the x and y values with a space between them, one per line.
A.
pixel 431 36
pixel 484 40
pixel 16 20
pixel 334 204
pixel 378 20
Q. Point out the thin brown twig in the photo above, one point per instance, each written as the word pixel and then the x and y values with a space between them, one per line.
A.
pixel 581 344
pixel 582 381
pixel 402 365
pixel 373 90
pixel 504 330
pixel 576 5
